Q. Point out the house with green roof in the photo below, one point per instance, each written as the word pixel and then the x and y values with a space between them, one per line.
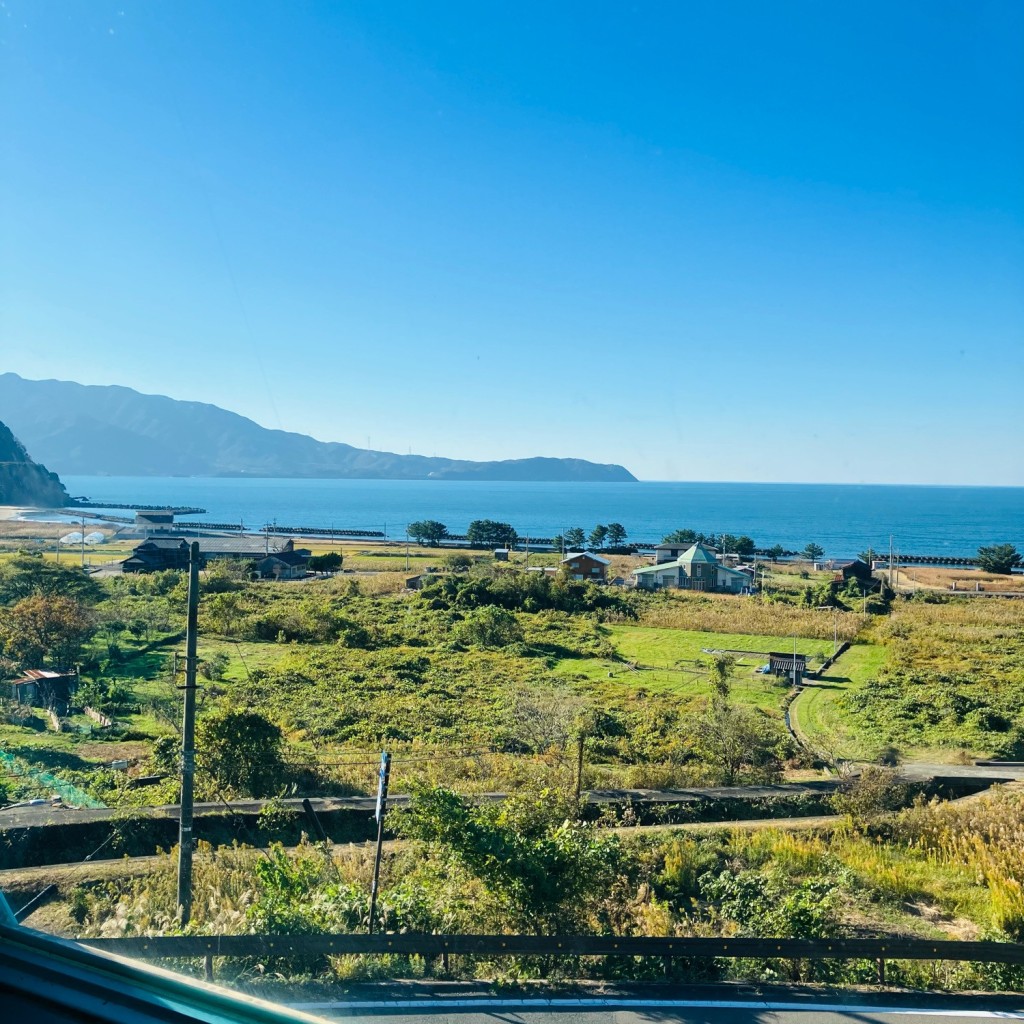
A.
pixel 697 568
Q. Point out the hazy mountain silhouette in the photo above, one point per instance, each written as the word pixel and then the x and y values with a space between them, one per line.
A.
pixel 24 482
pixel 115 431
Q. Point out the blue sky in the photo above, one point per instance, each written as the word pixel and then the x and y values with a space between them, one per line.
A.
pixel 711 241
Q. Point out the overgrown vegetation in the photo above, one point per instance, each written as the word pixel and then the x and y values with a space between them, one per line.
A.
pixel 935 870
pixel 491 678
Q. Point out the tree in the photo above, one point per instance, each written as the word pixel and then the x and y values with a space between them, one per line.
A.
pixel 812 552
pixel 868 556
pixel 223 612
pixel 680 537
pixel 428 531
pixel 241 750
pixel 331 561
pixel 719 673
pixel 597 536
pixel 745 546
pixel 25 575
pixel 1001 559
pixel 616 534
pixel 458 562
pixel 224 576
pixel 543 870
pixel 543 719
pixel 43 629
pixel 776 552
pixel 575 538
pixel 486 533
pixel 736 741
pixel 876 791
pixel 490 627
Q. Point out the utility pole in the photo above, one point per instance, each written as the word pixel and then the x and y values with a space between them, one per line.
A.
pixel 382 809
pixel 890 561
pixel 83 542
pixel 579 767
pixel 188 742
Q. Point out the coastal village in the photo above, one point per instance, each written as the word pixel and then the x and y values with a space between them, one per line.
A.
pixel 694 695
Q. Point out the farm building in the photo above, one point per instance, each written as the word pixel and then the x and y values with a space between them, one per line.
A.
pixel 158 553
pixel 419 581
pixel 696 569
pixel 783 665
pixel 501 554
pixel 845 568
pixel 283 565
pixel 43 689
pixel 582 565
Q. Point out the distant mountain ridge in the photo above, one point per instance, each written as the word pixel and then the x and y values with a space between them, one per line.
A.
pixel 23 481
pixel 108 430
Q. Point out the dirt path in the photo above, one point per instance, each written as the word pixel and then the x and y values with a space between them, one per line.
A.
pixel 33 879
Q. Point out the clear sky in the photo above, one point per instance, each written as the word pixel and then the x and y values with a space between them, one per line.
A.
pixel 711 241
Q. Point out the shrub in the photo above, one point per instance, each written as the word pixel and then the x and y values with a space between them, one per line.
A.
pixel 876 791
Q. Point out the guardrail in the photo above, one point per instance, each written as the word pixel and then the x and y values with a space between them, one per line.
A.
pixel 878 949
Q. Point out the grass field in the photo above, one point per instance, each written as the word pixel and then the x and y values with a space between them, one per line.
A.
pixel 673 661
pixel 814 715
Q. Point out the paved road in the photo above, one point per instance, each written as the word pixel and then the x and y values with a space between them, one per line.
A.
pixel 831 1009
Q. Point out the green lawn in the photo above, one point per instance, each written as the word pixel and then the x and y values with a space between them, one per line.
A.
pixel 813 713
pixel 672 661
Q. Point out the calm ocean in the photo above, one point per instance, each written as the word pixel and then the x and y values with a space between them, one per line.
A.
pixel 843 519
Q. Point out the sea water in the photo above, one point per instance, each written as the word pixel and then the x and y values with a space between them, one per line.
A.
pixel 844 519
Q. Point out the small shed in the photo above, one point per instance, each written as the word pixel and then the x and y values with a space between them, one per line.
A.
pixel 44 689
pixel 501 554
pixel 854 568
pixel 787 665
pixel 845 568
